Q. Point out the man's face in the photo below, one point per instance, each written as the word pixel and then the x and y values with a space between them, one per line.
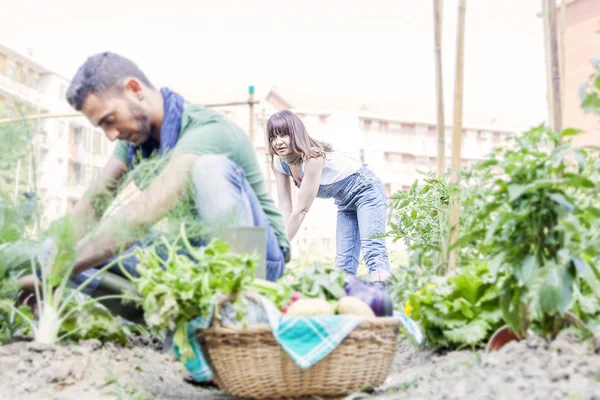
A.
pixel 120 114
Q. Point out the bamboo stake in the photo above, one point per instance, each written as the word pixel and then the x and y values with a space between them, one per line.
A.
pixel 251 114
pixel 441 127
pixel 38 116
pixel 554 67
pixel 545 17
pixel 267 155
pixel 563 55
pixel 17 179
pixel 457 127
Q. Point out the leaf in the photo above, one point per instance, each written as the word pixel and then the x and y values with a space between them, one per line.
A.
pixel 561 200
pixel 587 274
pixel 529 270
pixel 11 225
pixel 578 180
pixel 513 311
pixel 467 286
pixel 516 190
pixel 550 298
pixel 491 232
pixel 556 290
pixel 570 132
pixel 491 314
pixel 472 333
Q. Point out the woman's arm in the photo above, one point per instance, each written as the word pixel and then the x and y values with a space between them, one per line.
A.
pixel 284 194
pixel 306 195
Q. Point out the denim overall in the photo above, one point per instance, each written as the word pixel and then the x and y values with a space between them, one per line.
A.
pixel 362 214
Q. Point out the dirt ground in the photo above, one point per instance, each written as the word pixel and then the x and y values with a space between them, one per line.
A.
pixel 532 369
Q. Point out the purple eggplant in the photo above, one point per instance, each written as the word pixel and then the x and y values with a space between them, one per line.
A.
pixel 375 294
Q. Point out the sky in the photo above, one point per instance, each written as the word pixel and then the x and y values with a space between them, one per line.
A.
pixel 374 51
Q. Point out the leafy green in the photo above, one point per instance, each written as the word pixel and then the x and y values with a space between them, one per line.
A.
pixel 186 283
pixel 457 310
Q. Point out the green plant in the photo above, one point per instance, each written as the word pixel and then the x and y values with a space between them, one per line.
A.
pixel 460 309
pixel 543 234
pixel 178 283
pixel 589 91
pixel 419 217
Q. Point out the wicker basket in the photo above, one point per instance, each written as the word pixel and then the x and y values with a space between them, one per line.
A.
pixel 249 363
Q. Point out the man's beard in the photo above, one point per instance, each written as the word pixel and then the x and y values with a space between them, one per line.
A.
pixel 144 126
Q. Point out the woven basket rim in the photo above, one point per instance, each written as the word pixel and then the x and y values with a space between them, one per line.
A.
pixel 377 322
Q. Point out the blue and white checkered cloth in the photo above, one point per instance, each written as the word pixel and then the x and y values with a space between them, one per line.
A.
pixel 307 340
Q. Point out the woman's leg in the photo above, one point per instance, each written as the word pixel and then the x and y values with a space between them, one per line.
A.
pixel 372 217
pixel 347 241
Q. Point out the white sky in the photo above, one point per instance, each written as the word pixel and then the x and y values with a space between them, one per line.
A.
pixel 383 49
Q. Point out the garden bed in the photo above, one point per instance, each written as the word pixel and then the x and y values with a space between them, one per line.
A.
pixel 563 369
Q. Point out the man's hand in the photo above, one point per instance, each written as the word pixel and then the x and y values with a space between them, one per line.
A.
pixel 26 295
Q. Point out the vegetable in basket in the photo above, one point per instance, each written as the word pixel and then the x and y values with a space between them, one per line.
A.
pixel 373 294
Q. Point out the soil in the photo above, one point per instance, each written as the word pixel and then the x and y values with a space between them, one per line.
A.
pixel 532 369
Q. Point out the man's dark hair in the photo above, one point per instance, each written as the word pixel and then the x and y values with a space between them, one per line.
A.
pixel 100 73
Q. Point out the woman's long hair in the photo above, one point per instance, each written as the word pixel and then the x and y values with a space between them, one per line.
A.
pixel 286 122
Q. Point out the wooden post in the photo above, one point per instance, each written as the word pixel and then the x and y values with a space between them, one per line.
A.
pixel 563 55
pixel 554 67
pixel 457 127
pixel 17 179
pixel 267 155
pixel 441 127
pixel 38 117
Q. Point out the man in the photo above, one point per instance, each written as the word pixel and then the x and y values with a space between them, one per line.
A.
pixel 197 145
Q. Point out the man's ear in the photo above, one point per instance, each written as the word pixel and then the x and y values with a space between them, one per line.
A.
pixel 134 87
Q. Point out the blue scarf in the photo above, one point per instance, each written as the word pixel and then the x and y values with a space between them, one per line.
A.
pixel 169 131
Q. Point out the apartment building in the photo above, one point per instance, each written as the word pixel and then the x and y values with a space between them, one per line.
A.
pixel 69 151
pixel 582 45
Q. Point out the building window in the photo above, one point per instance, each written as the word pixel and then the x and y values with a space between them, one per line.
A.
pixel 21 74
pixel 362 156
pixel 383 126
pixel 323 118
pixel 9 110
pixel 497 138
pixel 75 174
pixel 10 71
pixel 431 131
pixel 394 127
pixel 366 124
pixel 2 64
pixel 394 157
pixel 409 129
pixel 422 162
pixel 408 158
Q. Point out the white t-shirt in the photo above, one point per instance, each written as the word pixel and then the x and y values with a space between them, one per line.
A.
pixel 337 167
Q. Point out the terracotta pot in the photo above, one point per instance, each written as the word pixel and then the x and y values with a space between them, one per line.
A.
pixel 505 335
pixel 501 337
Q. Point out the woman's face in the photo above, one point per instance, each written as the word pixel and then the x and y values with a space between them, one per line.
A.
pixel 281 145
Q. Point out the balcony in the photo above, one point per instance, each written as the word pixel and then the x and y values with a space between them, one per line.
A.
pixel 19 91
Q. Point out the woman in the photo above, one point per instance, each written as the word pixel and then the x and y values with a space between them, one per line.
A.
pixel 320 172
